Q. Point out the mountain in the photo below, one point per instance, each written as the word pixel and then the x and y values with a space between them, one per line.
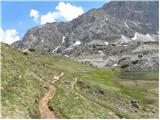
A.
pixel 28 77
pixel 144 16
pixel 121 34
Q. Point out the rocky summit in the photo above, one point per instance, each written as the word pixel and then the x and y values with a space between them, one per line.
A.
pixel 121 34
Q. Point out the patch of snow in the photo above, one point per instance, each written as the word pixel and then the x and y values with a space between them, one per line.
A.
pixel 134 23
pixel 55 49
pixel 126 24
pixel 63 38
pixel 122 40
pixel 143 37
pixel 122 36
pixel 101 53
pixel 42 41
pixel 106 43
pixel 124 45
pixel 135 37
pixel 77 43
pixel 115 65
pixel 66 55
pixel 107 19
pixel 34 38
pixel 149 36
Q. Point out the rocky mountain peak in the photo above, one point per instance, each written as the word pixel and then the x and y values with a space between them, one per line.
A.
pixel 122 27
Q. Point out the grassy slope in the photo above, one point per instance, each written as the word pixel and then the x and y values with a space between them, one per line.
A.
pixel 97 94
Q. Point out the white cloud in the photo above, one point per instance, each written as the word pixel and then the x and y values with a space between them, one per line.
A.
pixel 9 36
pixel 62 12
pixel 49 17
pixel 34 14
pixel 68 11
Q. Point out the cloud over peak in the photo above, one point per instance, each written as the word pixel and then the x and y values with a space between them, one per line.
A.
pixel 68 11
pixel 62 12
pixel 47 18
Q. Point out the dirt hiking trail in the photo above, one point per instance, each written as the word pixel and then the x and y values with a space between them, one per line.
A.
pixel 44 110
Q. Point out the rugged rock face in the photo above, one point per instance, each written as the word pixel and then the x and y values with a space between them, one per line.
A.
pixel 119 34
pixel 139 15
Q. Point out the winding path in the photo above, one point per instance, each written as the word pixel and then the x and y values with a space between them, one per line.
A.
pixel 44 110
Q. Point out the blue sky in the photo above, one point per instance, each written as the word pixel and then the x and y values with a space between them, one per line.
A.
pixel 16 14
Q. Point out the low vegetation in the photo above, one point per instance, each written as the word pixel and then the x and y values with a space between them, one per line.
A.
pixel 83 91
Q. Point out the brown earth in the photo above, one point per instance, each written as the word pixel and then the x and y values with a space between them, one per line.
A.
pixel 44 110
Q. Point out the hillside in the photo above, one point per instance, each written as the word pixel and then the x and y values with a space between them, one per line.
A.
pixel 82 92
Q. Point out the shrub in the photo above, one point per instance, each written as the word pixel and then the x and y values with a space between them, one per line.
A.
pixel 135 62
pixel 25 53
pixel 31 49
pixel 124 66
pixel 140 56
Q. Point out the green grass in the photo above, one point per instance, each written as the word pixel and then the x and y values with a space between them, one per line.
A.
pixel 140 75
pixel 27 77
